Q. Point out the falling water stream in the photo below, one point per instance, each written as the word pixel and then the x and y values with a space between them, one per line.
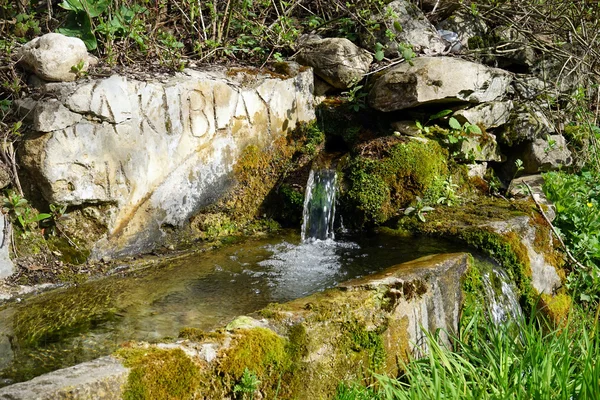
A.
pixel 318 215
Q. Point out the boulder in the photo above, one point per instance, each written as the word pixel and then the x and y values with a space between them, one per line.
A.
pixel 480 148
pixel 52 115
pixel 518 188
pixel 337 61
pixel 101 379
pixel 430 80
pixel 515 48
pixel 466 25
pixel 439 9
pixel 546 154
pixel 527 123
pixel 408 25
pixel 52 57
pixel 489 115
pixel 143 156
pixel 477 170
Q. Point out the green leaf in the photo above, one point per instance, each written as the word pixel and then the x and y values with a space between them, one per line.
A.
pixel 397 26
pixel 440 114
pixel 79 25
pixel 454 124
pixel 474 129
pixel 41 217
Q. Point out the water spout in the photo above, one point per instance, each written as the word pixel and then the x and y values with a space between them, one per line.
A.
pixel 319 205
pixel 500 296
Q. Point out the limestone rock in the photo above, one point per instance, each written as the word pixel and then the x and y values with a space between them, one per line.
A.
pixel 515 48
pixel 480 148
pixel 477 170
pixel 489 115
pixel 5 176
pixel 543 275
pixel 408 128
pixel 399 305
pixel 527 123
pixel 101 379
pixel 437 80
pixel 51 116
pixel 548 154
pixel 466 25
pixel 150 154
pixel 415 30
pixel 535 183
pixel 439 9
pixel 52 55
pixel 7 267
pixel 337 61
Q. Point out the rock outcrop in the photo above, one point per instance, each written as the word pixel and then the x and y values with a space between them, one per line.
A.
pixel 402 23
pixel 140 156
pixel 429 80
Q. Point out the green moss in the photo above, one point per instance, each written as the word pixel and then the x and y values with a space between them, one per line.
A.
pixel 369 341
pixel 391 177
pixel 259 350
pixel 557 307
pixel 159 374
pixel 199 335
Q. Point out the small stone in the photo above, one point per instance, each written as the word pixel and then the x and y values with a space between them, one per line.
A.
pixel 52 57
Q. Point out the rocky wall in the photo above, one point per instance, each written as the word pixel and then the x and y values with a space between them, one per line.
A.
pixel 142 156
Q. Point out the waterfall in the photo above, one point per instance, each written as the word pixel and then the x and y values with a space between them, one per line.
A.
pixel 319 205
pixel 500 295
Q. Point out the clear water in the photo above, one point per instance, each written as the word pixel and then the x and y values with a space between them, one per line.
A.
pixel 204 291
pixel 318 215
pixel 500 293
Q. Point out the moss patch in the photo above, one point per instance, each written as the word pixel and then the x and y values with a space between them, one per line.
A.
pixel 388 173
pixel 557 308
pixel 159 374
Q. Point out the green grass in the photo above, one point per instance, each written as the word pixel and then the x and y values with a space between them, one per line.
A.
pixel 577 201
pixel 499 362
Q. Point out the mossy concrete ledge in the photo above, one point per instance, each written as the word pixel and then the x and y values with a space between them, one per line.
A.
pixel 100 379
pixel 298 350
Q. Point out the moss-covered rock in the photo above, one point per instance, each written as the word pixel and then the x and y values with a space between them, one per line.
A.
pixel 389 173
pixel 159 374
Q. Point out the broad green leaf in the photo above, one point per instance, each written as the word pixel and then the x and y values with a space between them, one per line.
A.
pixel 397 26
pixel 440 114
pixel 41 217
pixel 474 129
pixel 454 124
pixel 79 25
pixel 379 55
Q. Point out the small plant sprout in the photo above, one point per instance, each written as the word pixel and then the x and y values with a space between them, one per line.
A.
pixel 247 386
pixel 420 209
pixel 449 196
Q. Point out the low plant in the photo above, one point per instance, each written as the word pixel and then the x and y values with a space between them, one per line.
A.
pixel 420 209
pixel 247 385
pixel 576 198
pixel 495 361
pixel 20 211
